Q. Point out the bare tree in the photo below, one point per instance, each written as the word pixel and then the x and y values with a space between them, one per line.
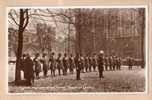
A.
pixel 23 22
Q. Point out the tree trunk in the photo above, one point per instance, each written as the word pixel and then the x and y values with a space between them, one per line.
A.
pixel 143 38
pixel 19 48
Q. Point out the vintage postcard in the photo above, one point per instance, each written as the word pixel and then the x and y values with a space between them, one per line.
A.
pixel 77 49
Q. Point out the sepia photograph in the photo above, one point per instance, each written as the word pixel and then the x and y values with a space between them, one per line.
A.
pixel 99 49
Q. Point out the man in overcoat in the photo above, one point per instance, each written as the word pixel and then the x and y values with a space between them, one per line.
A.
pixel 29 72
pixel 59 63
pixel 37 66
pixel 52 63
pixel 94 61
pixel 101 64
pixel 45 65
pixel 71 63
pixel 65 64
pixel 78 64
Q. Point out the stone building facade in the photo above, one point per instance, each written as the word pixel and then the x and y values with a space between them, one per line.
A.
pixel 117 31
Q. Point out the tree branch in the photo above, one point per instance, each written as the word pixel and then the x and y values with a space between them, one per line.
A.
pixel 13 19
pixel 27 19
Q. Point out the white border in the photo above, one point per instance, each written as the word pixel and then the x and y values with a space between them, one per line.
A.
pixel 69 93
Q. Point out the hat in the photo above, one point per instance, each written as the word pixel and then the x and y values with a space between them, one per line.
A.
pixel 24 55
pixel 101 52
pixel 28 55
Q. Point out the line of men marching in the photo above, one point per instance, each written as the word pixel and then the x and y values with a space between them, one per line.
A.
pixel 79 63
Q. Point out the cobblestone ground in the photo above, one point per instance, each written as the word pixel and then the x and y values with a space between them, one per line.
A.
pixel 114 81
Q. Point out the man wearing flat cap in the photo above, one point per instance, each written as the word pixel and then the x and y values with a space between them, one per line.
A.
pixel 101 63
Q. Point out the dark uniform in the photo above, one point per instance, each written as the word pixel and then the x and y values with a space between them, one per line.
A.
pixel 114 62
pixel 94 62
pixel 90 64
pixel 37 65
pixel 106 63
pixel 45 65
pixel 59 63
pixel 52 64
pixel 100 65
pixel 28 70
pixel 82 63
pixel 65 64
pixel 86 63
pixel 130 63
pixel 119 63
pixel 71 63
pixel 110 63
pixel 78 64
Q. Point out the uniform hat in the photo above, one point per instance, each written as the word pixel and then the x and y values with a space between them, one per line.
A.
pixel 52 53
pixel 24 55
pixel 28 55
pixel 37 54
pixel 44 54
